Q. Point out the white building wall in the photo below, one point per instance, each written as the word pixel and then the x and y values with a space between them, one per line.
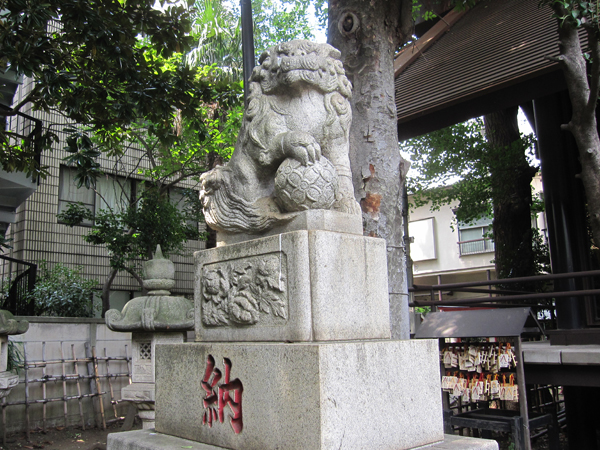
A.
pixel 441 254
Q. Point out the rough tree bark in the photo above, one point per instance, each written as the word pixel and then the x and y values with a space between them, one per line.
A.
pixel 583 88
pixel 368 34
pixel 511 177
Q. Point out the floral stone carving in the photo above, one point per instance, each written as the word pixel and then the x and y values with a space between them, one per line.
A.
pixel 247 291
pixel 298 110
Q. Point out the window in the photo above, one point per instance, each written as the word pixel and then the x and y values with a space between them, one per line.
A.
pixel 69 193
pixel 473 238
pixel 111 193
pixel 178 198
pixel 422 246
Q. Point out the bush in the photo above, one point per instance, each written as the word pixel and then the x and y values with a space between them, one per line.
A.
pixel 62 291
pixel 15 358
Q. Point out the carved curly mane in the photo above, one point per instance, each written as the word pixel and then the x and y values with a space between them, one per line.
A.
pixel 316 65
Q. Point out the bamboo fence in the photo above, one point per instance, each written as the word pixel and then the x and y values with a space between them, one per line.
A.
pixel 100 384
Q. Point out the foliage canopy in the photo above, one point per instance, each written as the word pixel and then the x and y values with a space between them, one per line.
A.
pixel 456 164
pixel 87 62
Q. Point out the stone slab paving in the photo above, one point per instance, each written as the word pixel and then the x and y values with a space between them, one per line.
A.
pixel 150 440
pixel 452 442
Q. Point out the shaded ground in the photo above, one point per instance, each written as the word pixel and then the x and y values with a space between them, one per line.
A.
pixel 60 438
pixel 540 443
pixel 75 438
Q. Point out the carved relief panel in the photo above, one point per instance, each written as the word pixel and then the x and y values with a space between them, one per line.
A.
pixel 248 291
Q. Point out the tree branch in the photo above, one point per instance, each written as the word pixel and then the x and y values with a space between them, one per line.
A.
pixel 594 73
pixel 138 279
pixel 183 176
pixel 573 65
pixel 148 148
pixel 27 98
pixel 106 291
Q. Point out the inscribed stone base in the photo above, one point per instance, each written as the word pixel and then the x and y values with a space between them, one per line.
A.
pixel 150 440
pixel 296 286
pixel 353 395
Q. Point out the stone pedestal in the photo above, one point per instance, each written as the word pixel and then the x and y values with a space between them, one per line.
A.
pixel 294 352
pixel 298 286
pixel 8 326
pixel 293 348
pixel 141 391
pixel 378 394
pixel 150 440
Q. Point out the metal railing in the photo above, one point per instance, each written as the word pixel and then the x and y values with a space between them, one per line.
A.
pixel 502 296
pixel 474 246
pixel 18 280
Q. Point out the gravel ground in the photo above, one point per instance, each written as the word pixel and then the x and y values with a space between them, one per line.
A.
pixel 61 438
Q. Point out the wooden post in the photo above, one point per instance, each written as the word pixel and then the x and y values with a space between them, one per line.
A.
pixel 522 393
pixel 4 421
pixel 440 295
pixel 78 387
pixel 518 433
pixel 26 392
pixel 128 359
pixel 64 384
pixel 44 387
pixel 112 394
pixel 98 387
pixel 90 372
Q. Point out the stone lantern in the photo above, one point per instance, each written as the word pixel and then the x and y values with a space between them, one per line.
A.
pixel 155 318
pixel 8 326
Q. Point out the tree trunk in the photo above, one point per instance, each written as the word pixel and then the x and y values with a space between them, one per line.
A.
pixel 368 35
pixel 511 196
pixel 106 291
pixel 583 93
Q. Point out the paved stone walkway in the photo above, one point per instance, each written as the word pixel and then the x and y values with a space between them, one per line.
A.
pixel 150 440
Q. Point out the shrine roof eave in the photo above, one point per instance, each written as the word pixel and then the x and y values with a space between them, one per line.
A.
pixel 490 58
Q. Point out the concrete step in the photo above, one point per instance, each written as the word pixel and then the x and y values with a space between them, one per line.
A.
pixel 151 440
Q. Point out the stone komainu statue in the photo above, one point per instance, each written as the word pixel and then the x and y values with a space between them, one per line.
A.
pixel 292 150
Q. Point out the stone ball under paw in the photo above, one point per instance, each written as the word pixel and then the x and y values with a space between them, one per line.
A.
pixel 299 187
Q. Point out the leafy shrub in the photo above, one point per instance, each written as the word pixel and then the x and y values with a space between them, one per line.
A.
pixel 15 357
pixel 62 291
